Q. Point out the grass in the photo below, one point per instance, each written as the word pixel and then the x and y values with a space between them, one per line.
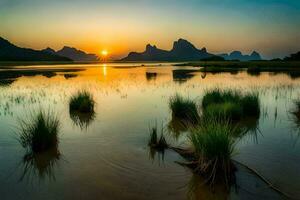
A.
pixel 230 104
pixel 155 142
pixel 265 65
pixel 39 133
pixel 213 146
pixel 252 67
pixel 227 110
pixel 183 108
pixel 82 102
pixel 251 105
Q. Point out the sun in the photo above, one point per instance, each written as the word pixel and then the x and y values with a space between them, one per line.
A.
pixel 104 52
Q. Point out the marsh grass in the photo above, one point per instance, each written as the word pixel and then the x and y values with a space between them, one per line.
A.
pixel 82 102
pixel 230 104
pixel 184 108
pixel 156 142
pixel 39 132
pixel 213 146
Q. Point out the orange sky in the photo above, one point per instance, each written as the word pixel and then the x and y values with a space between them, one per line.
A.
pixel 270 27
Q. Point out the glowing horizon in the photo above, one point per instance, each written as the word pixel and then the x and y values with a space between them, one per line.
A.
pixel 270 27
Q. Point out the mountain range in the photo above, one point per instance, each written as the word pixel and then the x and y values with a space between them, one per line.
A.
pixel 237 55
pixel 10 52
pixel 73 53
pixel 182 50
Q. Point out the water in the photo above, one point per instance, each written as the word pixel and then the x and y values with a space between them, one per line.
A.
pixel 105 156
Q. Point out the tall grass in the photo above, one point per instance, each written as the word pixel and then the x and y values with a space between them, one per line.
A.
pixel 82 102
pixel 183 108
pixel 39 132
pixel 213 146
pixel 230 104
pixel 251 105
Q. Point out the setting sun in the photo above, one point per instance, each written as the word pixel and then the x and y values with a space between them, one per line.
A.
pixel 104 52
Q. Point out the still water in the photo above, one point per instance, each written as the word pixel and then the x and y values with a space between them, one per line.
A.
pixel 105 156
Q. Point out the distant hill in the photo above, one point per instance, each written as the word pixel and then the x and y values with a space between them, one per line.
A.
pixel 10 52
pixel 182 50
pixel 73 53
pixel 293 57
pixel 237 55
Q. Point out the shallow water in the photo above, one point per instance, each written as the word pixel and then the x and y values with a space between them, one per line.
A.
pixel 106 156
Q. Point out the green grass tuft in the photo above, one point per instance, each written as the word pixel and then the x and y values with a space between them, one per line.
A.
pixel 230 104
pixel 213 145
pixel 39 133
pixel 184 108
pixel 82 102
pixel 251 105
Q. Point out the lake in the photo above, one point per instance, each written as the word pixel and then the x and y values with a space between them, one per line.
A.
pixel 106 155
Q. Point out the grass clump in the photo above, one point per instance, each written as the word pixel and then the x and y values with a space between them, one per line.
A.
pixel 155 142
pixel 40 132
pixel 183 108
pixel 213 146
pixel 250 104
pixel 226 110
pixel 82 102
pixel 230 104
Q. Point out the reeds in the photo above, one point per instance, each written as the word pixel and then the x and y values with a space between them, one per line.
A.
pixel 39 133
pixel 213 146
pixel 230 104
pixel 82 102
pixel 184 108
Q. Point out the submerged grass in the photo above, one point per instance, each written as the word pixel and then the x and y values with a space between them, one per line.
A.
pixel 39 133
pixel 213 146
pixel 183 108
pixel 82 102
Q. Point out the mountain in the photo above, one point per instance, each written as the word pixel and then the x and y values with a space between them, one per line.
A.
pixel 293 57
pixel 182 50
pixel 237 55
pixel 10 52
pixel 74 54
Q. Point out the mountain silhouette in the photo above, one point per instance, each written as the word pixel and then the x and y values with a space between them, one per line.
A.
pixel 73 53
pixel 293 57
pixel 237 55
pixel 10 52
pixel 182 50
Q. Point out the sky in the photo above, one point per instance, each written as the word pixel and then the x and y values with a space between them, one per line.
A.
pixel 271 27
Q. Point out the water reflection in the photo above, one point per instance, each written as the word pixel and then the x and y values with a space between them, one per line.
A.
pixel 49 73
pixel 151 76
pixel 182 75
pixel 68 76
pixel 156 155
pixel 197 189
pixel 83 120
pixel 177 126
pixel 120 125
pixel 41 165
pixel 6 82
